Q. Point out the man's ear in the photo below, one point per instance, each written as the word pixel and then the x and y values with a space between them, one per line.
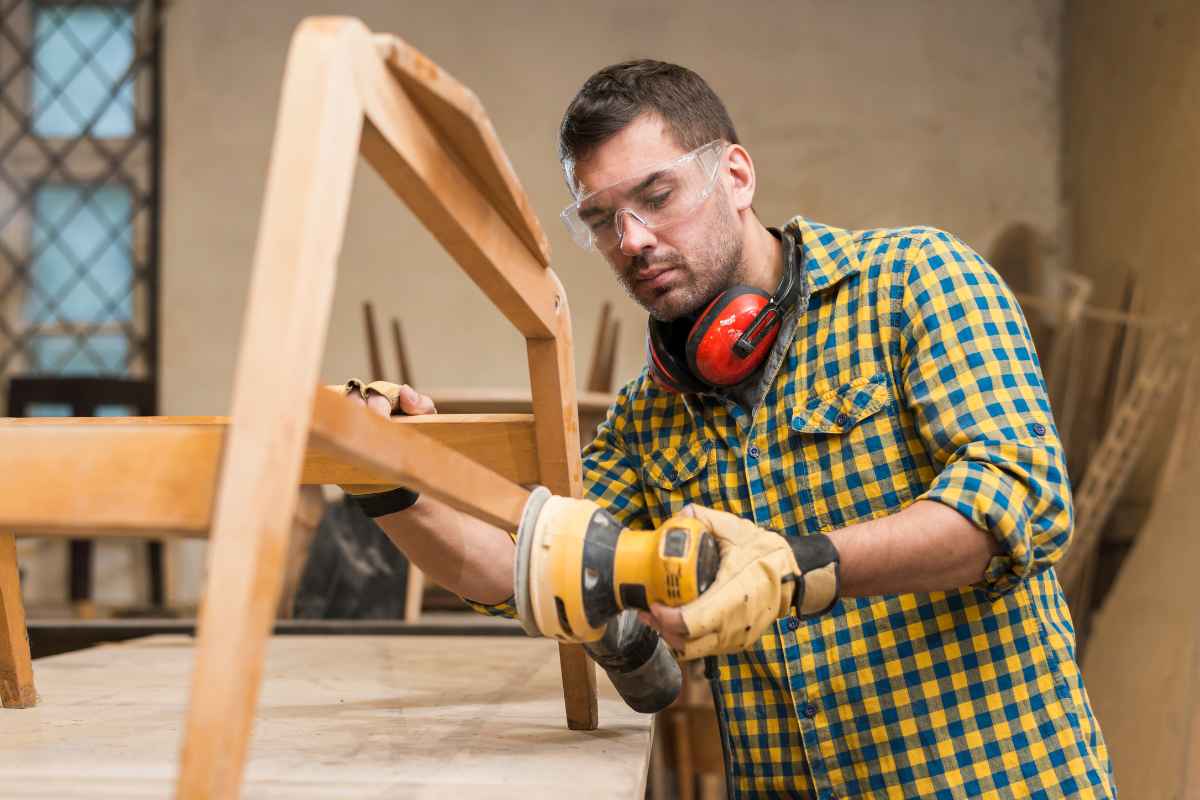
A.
pixel 740 174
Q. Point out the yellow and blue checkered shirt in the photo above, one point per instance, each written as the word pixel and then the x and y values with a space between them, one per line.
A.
pixel 911 376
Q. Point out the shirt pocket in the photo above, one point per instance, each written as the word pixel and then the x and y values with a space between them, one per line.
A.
pixel 675 477
pixel 839 409
pixel 852 456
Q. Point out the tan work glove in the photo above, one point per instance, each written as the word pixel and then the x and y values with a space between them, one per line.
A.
pixel 385 399
pixel 759 581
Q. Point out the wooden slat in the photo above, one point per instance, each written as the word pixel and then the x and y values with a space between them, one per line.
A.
pixel 508 401
pixel 404 148
pixel 16 669
pixel 502 443
pixel 47 460
pixel 403 455
pixel 311 172
pixel 556 425
pixel 108 476
pixel 463 124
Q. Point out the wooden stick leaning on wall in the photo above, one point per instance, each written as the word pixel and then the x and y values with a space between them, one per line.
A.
pixel 374 358
pixel 404 373
pixel 414 584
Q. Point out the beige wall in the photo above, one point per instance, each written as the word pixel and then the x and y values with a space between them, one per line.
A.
pixel 1132 166
pixel 857 114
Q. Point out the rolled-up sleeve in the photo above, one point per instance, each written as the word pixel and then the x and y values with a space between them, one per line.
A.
pixel 972 380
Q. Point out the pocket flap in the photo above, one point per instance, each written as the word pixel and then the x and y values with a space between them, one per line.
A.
pixel 841 408
pixel 671 466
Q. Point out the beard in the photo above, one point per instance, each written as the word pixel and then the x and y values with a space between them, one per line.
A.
pixel 699 278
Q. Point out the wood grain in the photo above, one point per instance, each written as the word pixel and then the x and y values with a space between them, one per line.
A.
pixel 46 460
pixel 16 669
pixel 291 292
pixel 465 128
pixel 405 149
pixel 350 717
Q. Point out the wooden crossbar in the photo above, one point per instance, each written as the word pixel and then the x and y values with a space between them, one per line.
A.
pixel 157 475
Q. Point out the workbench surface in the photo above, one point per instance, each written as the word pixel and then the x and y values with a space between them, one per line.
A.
pixel 338 716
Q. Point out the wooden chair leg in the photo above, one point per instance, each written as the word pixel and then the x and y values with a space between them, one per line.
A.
pixel 81 558
pixel 16 667
pixel 317 135
pixel 309 510
pixel 414 593
pixel 155 574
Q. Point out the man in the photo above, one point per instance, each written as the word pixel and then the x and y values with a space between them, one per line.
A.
pixel 894 424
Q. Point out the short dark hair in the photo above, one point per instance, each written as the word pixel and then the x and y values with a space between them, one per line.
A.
pixel 616 95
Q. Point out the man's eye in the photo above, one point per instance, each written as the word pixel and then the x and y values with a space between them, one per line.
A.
pixel 600 223
pixel 659 200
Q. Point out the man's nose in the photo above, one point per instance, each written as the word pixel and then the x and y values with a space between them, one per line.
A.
pixel 635 236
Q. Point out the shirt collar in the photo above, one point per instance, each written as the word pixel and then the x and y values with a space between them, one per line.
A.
pixel 829 253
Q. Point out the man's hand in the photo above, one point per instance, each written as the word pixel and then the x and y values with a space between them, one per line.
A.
pixel 758 582
pixel 385 399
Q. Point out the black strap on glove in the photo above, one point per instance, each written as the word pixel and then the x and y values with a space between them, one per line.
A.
pixel 379 504
pixel 817 584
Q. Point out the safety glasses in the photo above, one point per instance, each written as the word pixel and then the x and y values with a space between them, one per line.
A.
pixel 657 197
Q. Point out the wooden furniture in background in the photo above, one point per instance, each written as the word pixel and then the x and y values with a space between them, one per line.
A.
pixel 345 92
pixel 87 396
pixel 593 403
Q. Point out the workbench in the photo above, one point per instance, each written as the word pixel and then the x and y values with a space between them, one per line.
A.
pixel 338 716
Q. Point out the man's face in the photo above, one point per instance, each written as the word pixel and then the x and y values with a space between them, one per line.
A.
pixel 676 270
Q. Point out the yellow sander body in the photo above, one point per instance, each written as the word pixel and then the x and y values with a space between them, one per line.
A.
pixel 577 568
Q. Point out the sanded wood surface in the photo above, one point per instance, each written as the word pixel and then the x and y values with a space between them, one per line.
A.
pixel 47 461
pixel 413 158
pixel 307 197
pixel 465 128
pixel 338 717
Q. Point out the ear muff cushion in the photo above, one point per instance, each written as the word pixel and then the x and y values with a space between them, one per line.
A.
pixel 663 341
pixel 709 348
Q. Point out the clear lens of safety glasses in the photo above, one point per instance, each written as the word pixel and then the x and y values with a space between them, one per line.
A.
pixel 657 197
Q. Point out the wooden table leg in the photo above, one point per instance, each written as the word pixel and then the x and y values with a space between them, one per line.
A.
pixel 16 667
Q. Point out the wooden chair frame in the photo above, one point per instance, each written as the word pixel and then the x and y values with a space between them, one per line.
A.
pixel 345 92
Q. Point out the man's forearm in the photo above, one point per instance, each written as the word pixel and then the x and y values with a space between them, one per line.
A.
pixel 927 547
pixel 469 557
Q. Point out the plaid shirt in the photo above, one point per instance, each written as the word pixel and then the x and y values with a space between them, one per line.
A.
pixel 911 376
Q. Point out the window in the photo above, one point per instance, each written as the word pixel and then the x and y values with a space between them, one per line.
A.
pixel 79 148
pixel 81 57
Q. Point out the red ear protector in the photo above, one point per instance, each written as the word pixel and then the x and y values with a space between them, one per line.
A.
pixel 730 338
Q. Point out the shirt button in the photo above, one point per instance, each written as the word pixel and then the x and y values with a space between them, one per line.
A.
pixel 793 623
pixel 753 452
pixel 1039 429
pixel 810 710
pixel 843 420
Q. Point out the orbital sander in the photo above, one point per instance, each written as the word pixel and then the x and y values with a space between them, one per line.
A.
pixel 580 577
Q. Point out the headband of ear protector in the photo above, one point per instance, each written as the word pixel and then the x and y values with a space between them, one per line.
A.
pixel 730 338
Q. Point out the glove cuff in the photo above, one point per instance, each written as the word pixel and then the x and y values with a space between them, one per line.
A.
pixel 817 582
pixel 379 504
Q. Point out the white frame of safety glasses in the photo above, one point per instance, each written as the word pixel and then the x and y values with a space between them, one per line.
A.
pixel 579 229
